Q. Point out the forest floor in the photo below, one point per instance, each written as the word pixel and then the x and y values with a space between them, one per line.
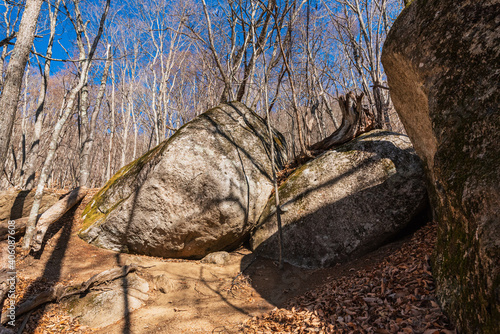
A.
pixel 388 291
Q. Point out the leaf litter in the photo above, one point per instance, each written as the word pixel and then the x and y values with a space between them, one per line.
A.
pixel 397 295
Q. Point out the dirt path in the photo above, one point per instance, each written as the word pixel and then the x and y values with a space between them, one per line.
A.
pixel 199 298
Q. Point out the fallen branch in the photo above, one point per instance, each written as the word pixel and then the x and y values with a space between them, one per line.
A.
pixel 25 321
pixel 59 292
pixel 55 212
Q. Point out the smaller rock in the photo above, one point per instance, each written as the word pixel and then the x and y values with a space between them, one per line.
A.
pixel 220 258
pixel 99 309
pixel 346 202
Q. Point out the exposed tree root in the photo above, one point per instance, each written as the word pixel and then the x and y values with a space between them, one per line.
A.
pixel 59 291
pixel 356 120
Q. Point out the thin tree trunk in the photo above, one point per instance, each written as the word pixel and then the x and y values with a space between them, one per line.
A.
pixel 83 173
pixel 275 180
pixel 125 134
pixel 29 179
pixel 47 165
pixel 136 130
pixel 14 77
pixel 155 110
pixel 113 126
pixel 90 128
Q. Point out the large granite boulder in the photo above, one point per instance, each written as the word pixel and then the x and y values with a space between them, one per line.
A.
pixel 442 60
pixel 346 202
pixel 198 192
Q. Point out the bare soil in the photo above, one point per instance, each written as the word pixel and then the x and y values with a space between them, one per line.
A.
pixel 204 298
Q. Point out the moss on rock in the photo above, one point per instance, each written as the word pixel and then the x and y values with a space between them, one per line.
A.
pixel 346 202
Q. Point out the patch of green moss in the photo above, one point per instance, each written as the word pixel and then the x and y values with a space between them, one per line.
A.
pixel 101 204
pixel 94 210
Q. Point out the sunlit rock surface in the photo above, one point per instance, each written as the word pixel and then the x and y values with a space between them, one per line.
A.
pixel 200 191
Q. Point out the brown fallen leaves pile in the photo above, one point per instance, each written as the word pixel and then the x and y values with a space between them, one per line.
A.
pixel 396 296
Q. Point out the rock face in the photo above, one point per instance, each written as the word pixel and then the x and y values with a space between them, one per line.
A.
pixel 99 309
pixel 442 60
pixel 200 191
pixel 15 204
pixel 346 202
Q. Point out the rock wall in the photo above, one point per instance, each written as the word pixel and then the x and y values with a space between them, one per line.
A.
pixel 442 60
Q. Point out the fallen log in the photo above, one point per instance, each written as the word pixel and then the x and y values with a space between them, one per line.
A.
pixel 55 212
pixel 44 220
pixel 19 227
pixel 59 291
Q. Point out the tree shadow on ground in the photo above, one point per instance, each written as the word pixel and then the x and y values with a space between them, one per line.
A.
pixel 52 270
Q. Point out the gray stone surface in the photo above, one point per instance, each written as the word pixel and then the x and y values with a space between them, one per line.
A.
pixel 346 202
pixel 442 60
pixel 200 191
pixel 99 309
pixel 219 258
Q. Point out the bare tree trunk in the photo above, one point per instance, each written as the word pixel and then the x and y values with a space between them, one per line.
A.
pixel 227 94
pixel 125 134
pixel 136 130
pixel 19 170
pixel 275 180
pixel 113 125
pixel 155 111
pixel 29 179
pixel 286 56
pixel 15 71
pixel 90 128
pixel 47 165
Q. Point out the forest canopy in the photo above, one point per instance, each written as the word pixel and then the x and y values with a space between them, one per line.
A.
pixel 140 70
